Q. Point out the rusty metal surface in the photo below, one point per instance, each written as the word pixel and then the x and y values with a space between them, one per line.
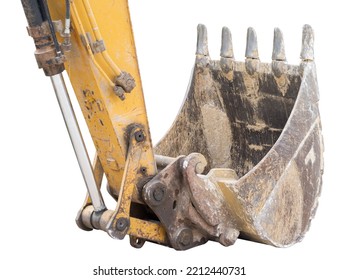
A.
pixel 45 53
pixel 119 224
pixel 258 127
pixel 280 195
pixel 191 210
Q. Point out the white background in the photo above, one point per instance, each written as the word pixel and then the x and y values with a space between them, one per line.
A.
pixel 41 188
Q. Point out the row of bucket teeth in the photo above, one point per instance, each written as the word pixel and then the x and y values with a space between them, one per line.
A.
pixel 251 52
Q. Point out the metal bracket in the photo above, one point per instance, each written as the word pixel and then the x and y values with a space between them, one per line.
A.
pixel 59 28
pixel 119 224
pixel 191 210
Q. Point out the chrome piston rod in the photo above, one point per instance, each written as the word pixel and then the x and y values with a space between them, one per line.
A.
pixel 77 141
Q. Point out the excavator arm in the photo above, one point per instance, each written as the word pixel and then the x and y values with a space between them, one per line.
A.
pixel 242 159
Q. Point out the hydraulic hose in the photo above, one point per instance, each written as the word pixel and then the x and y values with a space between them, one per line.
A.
pixel 67 20
pixel 51 26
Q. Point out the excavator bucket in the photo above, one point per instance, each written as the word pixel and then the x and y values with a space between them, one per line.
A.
pixel 242 159
pixel 252 134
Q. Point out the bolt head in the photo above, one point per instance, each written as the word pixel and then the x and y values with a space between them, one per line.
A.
pixel 158 194
pixel 122 224
pixel 155 193
pixel 185 238
pixel 139 136
pixel 143 170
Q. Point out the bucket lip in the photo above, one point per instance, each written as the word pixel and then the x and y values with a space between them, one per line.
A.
pixel 228 65
pixel 308 70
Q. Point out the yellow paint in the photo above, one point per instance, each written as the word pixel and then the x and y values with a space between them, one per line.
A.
pixel 92 76
pixel 108 118
pixel 147 230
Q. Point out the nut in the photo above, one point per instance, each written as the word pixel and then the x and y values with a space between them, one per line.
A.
pixel 184 238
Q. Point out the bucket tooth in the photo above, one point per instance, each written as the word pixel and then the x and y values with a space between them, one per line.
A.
pixel 307 53
pixel 251 52
pixel 227 52
pixel 251 44
pixel 202 41
pixel 227 49
pixel 278 52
